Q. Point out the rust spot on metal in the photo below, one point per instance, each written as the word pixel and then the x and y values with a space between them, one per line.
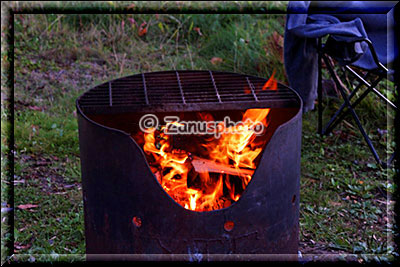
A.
pixel 137 221
pixel 228 226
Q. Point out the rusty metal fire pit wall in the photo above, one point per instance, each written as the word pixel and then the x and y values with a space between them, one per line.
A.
pixel 130 216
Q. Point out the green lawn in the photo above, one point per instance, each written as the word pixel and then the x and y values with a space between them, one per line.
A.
pixel 344 194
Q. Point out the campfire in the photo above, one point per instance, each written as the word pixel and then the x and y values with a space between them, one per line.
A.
pixel 215 172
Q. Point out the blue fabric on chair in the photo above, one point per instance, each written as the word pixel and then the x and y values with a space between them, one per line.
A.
pixel 343 21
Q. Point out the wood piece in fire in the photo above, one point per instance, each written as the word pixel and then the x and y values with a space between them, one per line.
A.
pixel 201 165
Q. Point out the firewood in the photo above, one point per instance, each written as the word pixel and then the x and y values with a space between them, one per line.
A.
pixel 201 165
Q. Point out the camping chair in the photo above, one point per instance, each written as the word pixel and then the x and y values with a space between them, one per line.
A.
pixel 348 106
pixel 320 32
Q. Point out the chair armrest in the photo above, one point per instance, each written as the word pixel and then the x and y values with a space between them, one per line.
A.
pixel 348 52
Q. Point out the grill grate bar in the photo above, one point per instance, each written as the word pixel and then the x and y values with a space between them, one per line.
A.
pixel 180 87
pixel 252 89
pixel 145 89
pixel 215 86
pixel 110 93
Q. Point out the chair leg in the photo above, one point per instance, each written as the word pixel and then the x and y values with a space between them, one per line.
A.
pixel 329 127
pixel 341 116
pixel 351 110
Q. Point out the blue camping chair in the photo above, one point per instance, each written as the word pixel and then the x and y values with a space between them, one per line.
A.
pixel 355 34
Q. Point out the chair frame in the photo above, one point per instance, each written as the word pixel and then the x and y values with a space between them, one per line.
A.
pixel 339 115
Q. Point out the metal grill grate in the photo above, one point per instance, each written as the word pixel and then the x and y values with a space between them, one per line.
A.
pixel 184 91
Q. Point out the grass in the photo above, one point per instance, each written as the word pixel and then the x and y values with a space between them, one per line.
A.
pixel 344 194
pixel 343 197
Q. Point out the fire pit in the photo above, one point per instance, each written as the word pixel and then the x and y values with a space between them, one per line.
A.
pixel 154 192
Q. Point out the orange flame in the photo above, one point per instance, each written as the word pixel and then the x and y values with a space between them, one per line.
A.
pixel 234 153
pixel 271 84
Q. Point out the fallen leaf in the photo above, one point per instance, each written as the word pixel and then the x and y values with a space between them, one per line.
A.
pixel 69 185
pixel 18 246
pixel 36 108
pixel 41 163
pixel 27 206
pixel 22 229
pixel 142 29
pixel 197 29
pixel 333 203
pixel 216 60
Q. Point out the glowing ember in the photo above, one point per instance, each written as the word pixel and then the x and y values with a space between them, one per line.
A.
pixel 199 183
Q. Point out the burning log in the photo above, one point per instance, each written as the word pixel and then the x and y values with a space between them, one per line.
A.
pixel 201 165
